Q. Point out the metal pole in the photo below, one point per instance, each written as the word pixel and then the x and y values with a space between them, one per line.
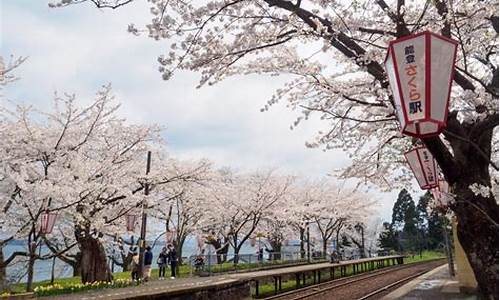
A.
pixel 142 241
pixel 451 267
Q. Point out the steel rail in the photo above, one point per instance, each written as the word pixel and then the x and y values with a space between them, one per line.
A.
pixel 385 288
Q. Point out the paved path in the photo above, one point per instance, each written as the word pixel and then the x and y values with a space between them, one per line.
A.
pixel 436 285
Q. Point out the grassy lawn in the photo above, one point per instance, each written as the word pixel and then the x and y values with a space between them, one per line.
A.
pixel 426 255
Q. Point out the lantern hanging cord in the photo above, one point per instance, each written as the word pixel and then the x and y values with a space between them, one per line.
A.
pixel 481 152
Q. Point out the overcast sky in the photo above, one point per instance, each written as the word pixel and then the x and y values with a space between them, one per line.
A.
pixel 79 48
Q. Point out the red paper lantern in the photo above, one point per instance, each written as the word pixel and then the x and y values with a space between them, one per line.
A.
pixel 131 219
pixel 47 222
pixel 424 167
pixel 420 71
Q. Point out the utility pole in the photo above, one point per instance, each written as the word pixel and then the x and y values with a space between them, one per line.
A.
pixel 142 241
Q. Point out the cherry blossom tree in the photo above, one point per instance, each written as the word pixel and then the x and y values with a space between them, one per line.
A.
pixel 108 219
pixel 334 50
pixel 277 226
pixel 364 234
pixel 332 207
pixel 239 202
pixel 74 161
pixel 86 164
pixel 183 206
pixel 300 198
pixel 14 222
pixel 7 68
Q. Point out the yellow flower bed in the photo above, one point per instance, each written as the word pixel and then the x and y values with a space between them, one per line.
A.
pixel 56 288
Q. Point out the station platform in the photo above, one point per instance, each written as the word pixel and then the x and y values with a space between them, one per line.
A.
pixel 228 286
pixel 436 285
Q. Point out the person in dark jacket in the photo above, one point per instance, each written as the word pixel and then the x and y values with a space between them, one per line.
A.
pixel 172 258
pixel 162 263
pixel 148 261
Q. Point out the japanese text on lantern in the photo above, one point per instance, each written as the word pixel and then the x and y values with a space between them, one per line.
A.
pixel 411 70
pixel 428 164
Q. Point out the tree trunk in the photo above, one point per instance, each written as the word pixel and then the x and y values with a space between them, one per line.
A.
pixel 325 246
pixel 126 260
pixel 236 258
pixel 94 263
pixel 477 215
pixel 220 251
pixel 77 265
pixel 302 246
pixel 31 263
pixel 479 238
pixel 222 254
pixel 3 273
pixel 276 251
pixel 52 270
pixel 179 246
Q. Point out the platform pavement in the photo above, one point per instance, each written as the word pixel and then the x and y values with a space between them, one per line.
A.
pixel 155 287
pixel 436 285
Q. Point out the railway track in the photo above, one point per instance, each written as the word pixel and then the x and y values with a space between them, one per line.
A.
pixel 363 286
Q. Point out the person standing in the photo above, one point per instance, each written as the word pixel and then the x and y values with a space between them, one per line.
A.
pixel 172 258
pixel 148 260
pixel 134 265
pixel 162 263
